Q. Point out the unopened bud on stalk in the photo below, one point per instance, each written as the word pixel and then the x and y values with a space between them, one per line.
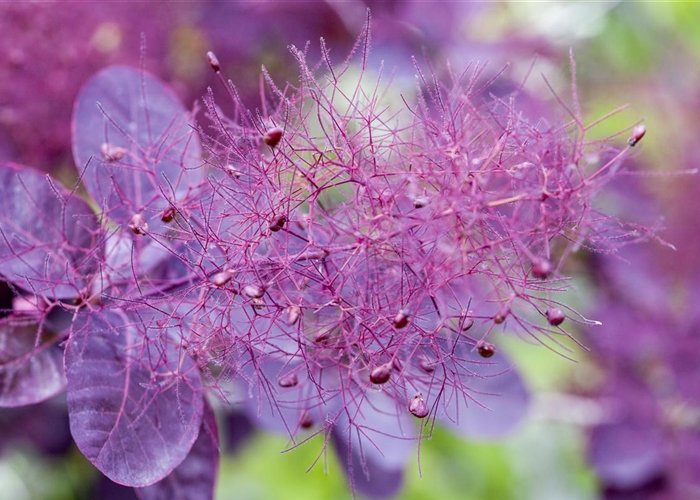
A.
pixel 401 319
pixel 637 134
pixel 213 61
pixel 467 320
pixel 555 316
pixel 542 268
pixel 220 279
pixel 253 291
pixel 277 223
pixel 421 201
pixel 306 421
pixel 501 315
pixel 273 136
pixel 380 374
pixel 232 171
pixel 417 406
pixel 485 349
pixel 168 214
pixel 426 365
pixel 112 153
pixel 289 380
pixel 138 225
pixel 293 314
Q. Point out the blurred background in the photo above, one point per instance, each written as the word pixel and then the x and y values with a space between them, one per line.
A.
pixel 622 422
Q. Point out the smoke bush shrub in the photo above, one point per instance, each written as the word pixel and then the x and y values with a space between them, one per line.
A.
pixel 328 262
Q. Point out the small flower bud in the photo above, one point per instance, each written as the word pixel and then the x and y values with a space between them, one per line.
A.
pixel 485 349
pixel 253 291
pixel 273 136
pixel 112 153
pixel 501 316
pixel 637 134
pixel 257 303
pixel 289 380
pixel 418 407
pixel 466 320
pixel 426 365
pixel 293 314
pixel 220 279
pixel 401 319
pixel 138 225
pixel 232 171
pixel 542 268
pixel 322 337
pixel 277 223
pixel 306 421
pixel 168 214
pixel 380 374
pixel 421 201
pixel 213 61
pixel 555 316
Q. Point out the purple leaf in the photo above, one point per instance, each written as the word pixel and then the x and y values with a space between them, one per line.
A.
pixel 280 407
pixel 135 404
pixel 136 143
pixel 46 234
pixel 627 454
pixel 374 440
pixel 196 476
pixel 31 363
pixel 482 399
pixel 43 427
pixel 238 430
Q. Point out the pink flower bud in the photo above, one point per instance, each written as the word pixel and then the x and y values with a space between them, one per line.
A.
pixel 168 214
pixel 380 374
pixel 418 407
pixel 273 136
pixel 289 380
pixel 138 225
pixel 485 349
pixel 253 291
pixel 421 201
pixel 232 171
pixel 213 61
pixel 466 320
pixel 293 314
pixel 542 268
pixel 501 316
pixel 323 336
pixel 277 223
pixel 220 279
pixel 426 365
pixel 112 153
pixel 306 421
pixel 401 319
pixel 555 316
pixel 637 134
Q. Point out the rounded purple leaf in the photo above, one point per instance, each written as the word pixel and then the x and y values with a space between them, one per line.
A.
pixel 196 476
pixel 627 454
pixel 135 406
pixel 374 439
pixel 47 234
pixel 31 363
pixel 487 400
pixel 136 143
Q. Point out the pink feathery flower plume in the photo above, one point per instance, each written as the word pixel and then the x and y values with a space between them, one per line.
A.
pixel 335 263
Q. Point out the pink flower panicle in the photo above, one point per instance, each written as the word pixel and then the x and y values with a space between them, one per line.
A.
pixel 343 258
pixel 385 246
